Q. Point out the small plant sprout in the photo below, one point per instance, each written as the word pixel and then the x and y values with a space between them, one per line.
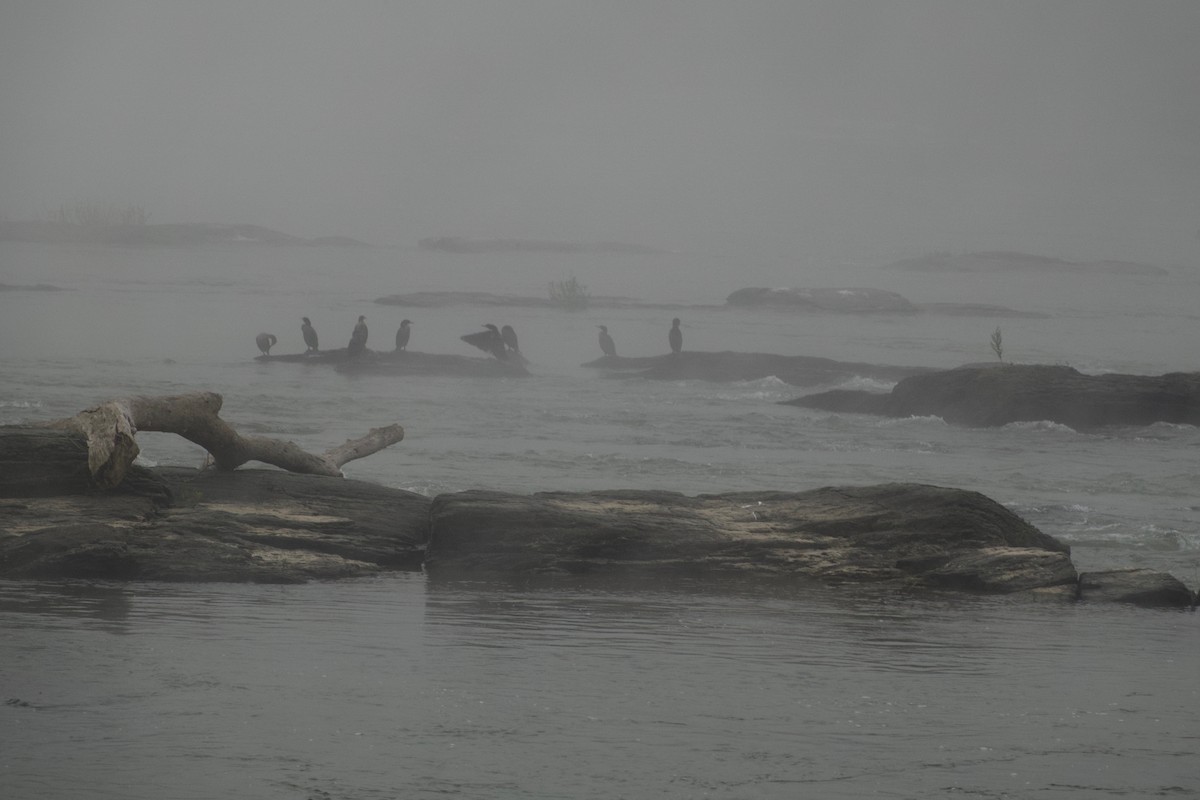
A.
pixel 569 294
pixel 998 344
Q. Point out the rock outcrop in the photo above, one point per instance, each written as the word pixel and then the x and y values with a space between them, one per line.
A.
pixel 729 366
pixel 997 395
pixel 908 534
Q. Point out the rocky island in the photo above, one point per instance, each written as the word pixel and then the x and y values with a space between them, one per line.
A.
pixel 998 394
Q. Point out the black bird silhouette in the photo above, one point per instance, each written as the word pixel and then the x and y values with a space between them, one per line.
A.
pixel 358 339
pixel 606 342
pixel 675 337
pixel 310 335
pixel 510 338
pixel 489 341
pixel 402 334
pixel 265 342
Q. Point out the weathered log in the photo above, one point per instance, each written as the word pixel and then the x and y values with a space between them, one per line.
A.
pixel 110 429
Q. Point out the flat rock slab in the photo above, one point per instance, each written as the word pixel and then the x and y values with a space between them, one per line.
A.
pixel 999 394
pixel 406 362
pixel 730 366
pixel 908 534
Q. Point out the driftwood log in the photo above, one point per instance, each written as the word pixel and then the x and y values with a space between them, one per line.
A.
pixel 110 429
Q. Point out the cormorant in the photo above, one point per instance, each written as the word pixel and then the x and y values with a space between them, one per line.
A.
pixel 358 339
pixel 265 342
pixel 675 337
pixel 510 338
pixel 489 341
pixel 310 335
pixel 606 342
pixel 402 334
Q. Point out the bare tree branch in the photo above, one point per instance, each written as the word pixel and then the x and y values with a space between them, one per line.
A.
pixel 110 429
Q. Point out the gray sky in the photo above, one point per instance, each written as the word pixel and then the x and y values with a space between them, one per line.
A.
pixel 778 126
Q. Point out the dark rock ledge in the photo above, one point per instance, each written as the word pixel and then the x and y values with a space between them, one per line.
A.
pixel 174 524
pixel 405 362
pixel 999 394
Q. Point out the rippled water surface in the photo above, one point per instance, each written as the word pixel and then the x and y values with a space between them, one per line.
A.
pixel 399 687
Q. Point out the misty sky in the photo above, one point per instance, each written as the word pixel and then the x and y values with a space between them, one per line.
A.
pixel 779 126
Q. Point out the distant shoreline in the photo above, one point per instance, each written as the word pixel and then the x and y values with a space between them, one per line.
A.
pixel 162 234
pixel 459 244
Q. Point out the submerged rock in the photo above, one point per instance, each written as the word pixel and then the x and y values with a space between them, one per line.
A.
pixel 999 394
pixel 1141 587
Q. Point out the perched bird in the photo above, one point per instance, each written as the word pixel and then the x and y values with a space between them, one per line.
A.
pixel 489 341
pixel 606 342
pixel 265 342
pixel 402 334
pixel 310 335
pixel 358 339
pixel 510 338
pixel 675 337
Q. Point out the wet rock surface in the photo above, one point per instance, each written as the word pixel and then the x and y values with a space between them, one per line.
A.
pixel 909 534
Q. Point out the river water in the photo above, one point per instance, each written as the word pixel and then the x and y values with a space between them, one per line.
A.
pixel 404 687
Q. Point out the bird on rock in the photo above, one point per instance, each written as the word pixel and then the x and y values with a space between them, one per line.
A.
pixel 265 342
pixel 510 338
pixel 310 335
pixel 358 339
pixel 489 340
pixel 402 334
pixel 606 342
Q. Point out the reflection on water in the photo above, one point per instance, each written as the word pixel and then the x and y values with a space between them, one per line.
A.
pixel 403 687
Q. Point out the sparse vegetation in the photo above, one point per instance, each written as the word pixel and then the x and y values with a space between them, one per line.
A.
pixel 96 214
pixel 569 294
pixel 998 344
